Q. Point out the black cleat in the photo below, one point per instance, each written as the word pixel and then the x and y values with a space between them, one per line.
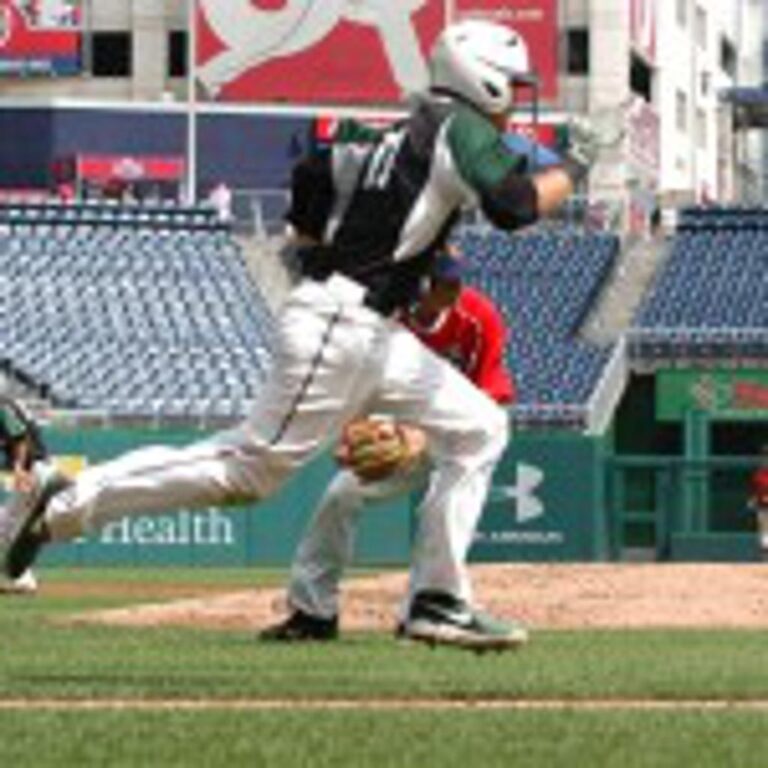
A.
pixel 302 627
pixel 31 532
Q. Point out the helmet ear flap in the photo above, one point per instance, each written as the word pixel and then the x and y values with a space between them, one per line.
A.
pixel 492 90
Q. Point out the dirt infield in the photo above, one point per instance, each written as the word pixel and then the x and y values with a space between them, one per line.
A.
pixel 544 596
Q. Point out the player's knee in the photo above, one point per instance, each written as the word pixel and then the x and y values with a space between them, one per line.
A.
pixel 497 430
pixel 345 488
pixel 488 434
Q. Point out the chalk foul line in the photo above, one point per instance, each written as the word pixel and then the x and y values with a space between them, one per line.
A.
pixel 266 705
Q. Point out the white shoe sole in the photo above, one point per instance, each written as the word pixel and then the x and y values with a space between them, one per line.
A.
pixel 12 588
pixel 433 633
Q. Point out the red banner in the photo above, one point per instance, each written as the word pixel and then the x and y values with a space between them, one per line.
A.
pixel 39 37
pixel 341 52
pixel 303 51
pixel 127 168
pixel 542 133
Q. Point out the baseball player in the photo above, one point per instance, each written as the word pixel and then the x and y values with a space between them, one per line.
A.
pixel 21 445
pixel 461 324
pixel 758 498
pixel 341 353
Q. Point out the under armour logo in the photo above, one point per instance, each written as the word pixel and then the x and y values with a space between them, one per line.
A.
pixel 528 505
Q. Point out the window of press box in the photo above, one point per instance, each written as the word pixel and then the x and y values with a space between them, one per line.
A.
pixel 177 54
pixel 641 78
pixel 728 56
pixel 111 54
pixel 577 51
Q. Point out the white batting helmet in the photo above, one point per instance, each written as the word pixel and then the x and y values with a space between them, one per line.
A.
pixel 480 60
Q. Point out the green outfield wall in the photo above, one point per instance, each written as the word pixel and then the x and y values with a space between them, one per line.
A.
pixel 669 477
pixel 546 504
pixel 686 442
pixel 266 534
pixel 547 501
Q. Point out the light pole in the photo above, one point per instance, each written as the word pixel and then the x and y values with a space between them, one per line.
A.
pixel 190 196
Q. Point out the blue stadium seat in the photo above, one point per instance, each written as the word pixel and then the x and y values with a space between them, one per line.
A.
pixel 545 284
pixel 713 286
pixel 107 308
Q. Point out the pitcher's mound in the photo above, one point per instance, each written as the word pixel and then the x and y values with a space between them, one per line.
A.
pixel 543 596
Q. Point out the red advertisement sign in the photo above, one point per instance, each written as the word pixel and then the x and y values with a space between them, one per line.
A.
pixel 342 52
pixel 104 168
pixel 315 51
pixel 536 21
pixel 39 37
pixel 129 168
pixel 542 133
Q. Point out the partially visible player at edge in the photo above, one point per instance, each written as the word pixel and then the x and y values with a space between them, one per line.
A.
pixel 21 445
pixel 339 353
pixel 464 326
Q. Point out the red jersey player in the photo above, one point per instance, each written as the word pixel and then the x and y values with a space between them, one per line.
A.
pixel 758 499
pixel 459 323
pixel 463 325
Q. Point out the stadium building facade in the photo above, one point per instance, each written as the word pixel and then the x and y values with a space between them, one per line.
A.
pixel 657 67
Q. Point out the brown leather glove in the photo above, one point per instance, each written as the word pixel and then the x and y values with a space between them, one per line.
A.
pixel 376 448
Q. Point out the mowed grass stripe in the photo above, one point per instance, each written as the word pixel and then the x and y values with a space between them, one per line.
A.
pixel 438 705
pixel 391 739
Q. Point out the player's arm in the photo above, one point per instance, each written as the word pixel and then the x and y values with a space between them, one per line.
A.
pixel 509 196
pixel 353 131
pixel 22 443
pixel 553 173
pixel 22 458
pixel 552 186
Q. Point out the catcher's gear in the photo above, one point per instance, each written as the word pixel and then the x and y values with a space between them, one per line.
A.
pixel 481 61
pixel 375 449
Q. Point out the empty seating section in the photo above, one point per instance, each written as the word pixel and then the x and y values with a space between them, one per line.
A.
pixel 134 320
pixel 545 284
pixel 710 300
pixel 104 212
pixel 135 313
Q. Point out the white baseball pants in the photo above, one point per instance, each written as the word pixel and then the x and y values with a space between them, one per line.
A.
pixel 328 543
pixel 334 359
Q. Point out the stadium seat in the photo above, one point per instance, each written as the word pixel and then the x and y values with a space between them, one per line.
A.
pixel 712 288
pixel 119 309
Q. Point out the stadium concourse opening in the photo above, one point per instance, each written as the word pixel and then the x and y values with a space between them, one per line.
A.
pixel 750 106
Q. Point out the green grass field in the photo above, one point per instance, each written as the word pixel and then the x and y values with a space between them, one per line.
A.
pixel 105 696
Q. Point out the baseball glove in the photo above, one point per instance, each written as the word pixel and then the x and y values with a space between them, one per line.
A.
pixel 375 449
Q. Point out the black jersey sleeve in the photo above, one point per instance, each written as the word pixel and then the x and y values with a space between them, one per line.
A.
pixel 312 194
